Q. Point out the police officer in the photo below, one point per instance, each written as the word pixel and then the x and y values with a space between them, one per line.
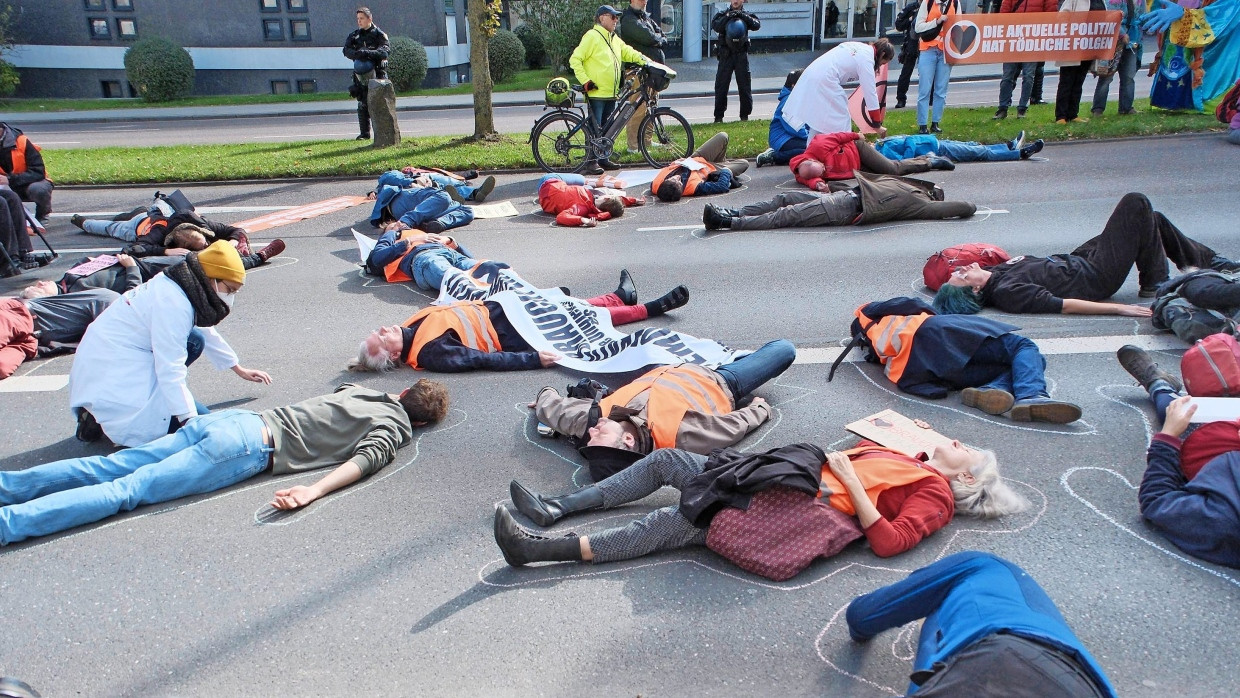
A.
pixel 732 50
pixel 368 48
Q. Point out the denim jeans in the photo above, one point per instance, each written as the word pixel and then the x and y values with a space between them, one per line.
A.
pixel 790 149
pixel 1009 362
pixel 747 373
pixel 121 230
pixel 970 151
pixel 1008 85
pixel 209 453
pixel 1233 136
pixel 933 74
pixel 433 206
pixel 430 266
pixel 193 350
pixel 1127 83
pixel 569 178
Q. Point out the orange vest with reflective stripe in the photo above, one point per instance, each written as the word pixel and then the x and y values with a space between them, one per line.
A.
pixel 19 155
pixel 932 14
pixel 692 181
pixel 892 340
pixel 392 272
pixel 879 469
pixel 674 390
pixel 469 319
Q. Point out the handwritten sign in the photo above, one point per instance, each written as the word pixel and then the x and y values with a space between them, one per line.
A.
pixel 897 432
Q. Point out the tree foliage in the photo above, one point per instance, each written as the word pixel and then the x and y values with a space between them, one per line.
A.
pixel 560 22
pixel 506 56
pixel 159 69
pixel 532 40
pixel 407 63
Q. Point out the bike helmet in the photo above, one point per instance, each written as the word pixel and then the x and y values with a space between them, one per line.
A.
pixel 559 92
pixel 737 34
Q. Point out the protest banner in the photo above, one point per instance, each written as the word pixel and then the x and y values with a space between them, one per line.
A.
pixel 583 334
pixel 897 432
pixel 1031 37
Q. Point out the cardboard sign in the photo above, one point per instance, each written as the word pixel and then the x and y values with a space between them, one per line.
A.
pixel 857 107
pixel 897 432
pixel 1033 36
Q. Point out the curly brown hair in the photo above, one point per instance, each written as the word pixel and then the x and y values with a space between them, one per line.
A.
pixel 426 401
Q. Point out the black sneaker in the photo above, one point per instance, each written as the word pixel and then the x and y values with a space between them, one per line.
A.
pixel 608 165
pixel 1138 363
pixel 433 227
pixel 1000 113
pixel 591 168
pixel 714 219
pixel 88 429
pixel 484 190
pixel 1032 149
pixel 34 260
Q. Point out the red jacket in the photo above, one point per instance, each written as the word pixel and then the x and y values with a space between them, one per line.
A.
pixel 1029 6
pixel 572 203
pixel 837 151
pixel 17 340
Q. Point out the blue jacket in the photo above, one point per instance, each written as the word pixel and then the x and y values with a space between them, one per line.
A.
pixel 964 598
pixel 905 147
pixel 781 132
pixel 414 206
pixel 1201 516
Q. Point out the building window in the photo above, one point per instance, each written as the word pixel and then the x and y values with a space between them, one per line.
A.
pixel 273 29
pixel 126 29
pixel 122 5
pixel 296 5
pixel 99 28
pixel 449 7
pixel 299 29
pixel 280 87
pixel 269 5
pixel 307 86
pixel 96 4
pixel 112 89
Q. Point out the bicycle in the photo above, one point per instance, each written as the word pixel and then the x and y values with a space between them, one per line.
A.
pixel 565 139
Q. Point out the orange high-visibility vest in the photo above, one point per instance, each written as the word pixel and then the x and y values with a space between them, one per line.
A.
pixel 932 14
pixel 892 340
pixel 392 272
pixel 469 319
pixel 19 155
pixel 692 181
pixel 674 390
pixel 879 469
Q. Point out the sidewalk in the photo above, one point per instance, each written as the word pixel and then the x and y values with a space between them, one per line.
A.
pixel 693 80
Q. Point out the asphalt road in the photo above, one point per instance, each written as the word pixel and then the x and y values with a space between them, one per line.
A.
pixel 395 586
pixel 441 122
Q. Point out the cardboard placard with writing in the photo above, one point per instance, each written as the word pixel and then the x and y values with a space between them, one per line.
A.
pixel 1026 37
pixel 897 432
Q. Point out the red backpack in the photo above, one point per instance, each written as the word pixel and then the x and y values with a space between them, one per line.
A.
pixel 940 265
pixel 1226 109
pixel 1211 368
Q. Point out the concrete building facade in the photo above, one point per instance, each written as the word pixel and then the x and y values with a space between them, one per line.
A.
pixel 76 48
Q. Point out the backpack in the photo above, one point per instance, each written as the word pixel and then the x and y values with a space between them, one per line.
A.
pixel 1226 109
pixel 1211 368
pixel 932 34
pixel 940 265
pixel 1173 312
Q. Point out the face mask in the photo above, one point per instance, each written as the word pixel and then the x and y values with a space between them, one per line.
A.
pixel 228 298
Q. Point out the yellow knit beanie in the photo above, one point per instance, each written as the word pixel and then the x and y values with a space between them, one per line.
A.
pixel 221 261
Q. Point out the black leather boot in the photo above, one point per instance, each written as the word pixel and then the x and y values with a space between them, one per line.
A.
pixel 520 547
pixel 626 291
pixel 363 123
pixel 545 511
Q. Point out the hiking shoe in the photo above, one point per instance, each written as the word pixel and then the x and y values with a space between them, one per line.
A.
pixel 938 162
pixel 1032 149
pixel 272 249
pixel 591 168
pixel 766 157
pixel 1138 363
pixel 433 227
pixel 714 219
pixel 1022 112
pixel 608 165
pixel 1018 142
pixel 1000 113
pixel 77 220
pixel 453 193
pixel 484 190
pixel 1044 409
pixel 988 400
pixel 88 429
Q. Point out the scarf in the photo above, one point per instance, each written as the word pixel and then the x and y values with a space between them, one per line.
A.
pixel 209 310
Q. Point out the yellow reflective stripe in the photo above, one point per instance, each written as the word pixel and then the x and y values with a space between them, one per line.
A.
pixel 694 401
pixel 471 337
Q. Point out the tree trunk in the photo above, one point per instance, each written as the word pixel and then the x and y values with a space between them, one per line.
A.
pixel 480 69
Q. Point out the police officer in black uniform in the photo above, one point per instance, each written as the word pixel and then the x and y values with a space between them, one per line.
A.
pixel 733 54
pixel 368 48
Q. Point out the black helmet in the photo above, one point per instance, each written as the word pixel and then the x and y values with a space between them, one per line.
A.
pixel 736 34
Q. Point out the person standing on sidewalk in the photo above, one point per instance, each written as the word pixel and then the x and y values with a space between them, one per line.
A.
pixel 1072 74
pixel 1129 60
pixel 640 31
pixel 732 49
pixel 909 50
pixel 367 47
pixel 598 64
pixel 933 72
pixel 1026 71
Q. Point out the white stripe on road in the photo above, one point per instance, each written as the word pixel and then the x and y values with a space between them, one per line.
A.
pixel 303 135
pixel 1107 344
pixel 980 211
pixel 199 209
pixel 669 227
pixel 33 384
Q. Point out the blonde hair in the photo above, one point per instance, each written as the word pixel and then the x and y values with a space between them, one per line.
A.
pixel 367 362
pixel 988 496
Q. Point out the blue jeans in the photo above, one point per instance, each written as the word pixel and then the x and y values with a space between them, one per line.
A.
pixel 1127 83
pixel 121 230
pixel 209 453
pixel 569 178
pixel 600 109
pixel 1233 136
pixel 397 178
pixel 436 206
pixel 932 76
pixel 790 149
pixel 430 266
pixel 1010 72
pixel 747 373
pixel 1009 362
pixel 971 151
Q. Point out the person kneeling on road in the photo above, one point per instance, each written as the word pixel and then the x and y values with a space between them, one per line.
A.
pixel 867 199
pixel 574 202
pixel 929 355
pixel 477 335
pixel 356 429
pixel 832 156
pixel 706 171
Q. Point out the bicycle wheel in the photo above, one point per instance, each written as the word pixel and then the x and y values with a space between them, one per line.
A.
pixel 559 142
pixel 665 136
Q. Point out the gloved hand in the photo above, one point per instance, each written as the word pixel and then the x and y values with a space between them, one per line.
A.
pixel 1161 18
pixel 713 176
pixel 588 86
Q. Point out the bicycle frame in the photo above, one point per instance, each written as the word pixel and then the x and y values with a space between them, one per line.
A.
pixel 633 95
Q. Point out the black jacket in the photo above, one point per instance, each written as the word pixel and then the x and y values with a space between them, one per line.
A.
pixel 367 45
pixel 909 48
pixel 639 30
pixel 719 25
pixel 731 478
pixel 152 243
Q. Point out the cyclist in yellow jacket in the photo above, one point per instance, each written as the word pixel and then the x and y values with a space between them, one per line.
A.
pixel 597 62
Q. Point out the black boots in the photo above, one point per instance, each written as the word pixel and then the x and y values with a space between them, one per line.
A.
pixel 626 291
pixel 520 547
pixel 715 218
pixel 545 511
pixel 671 300
pixel 363 124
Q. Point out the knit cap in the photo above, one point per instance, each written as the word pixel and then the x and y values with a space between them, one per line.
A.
pixel 221 261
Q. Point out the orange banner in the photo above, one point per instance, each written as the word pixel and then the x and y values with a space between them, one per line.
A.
pixel 301 213
pixel 1033 36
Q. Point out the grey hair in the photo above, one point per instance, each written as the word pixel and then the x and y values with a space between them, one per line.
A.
pixel 366 361
pixel 988 496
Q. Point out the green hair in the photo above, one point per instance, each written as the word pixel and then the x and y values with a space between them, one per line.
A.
pixel 957 300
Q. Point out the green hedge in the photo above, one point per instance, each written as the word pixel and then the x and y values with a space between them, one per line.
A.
pixel 535 47
pixel 407 63
pixel 506 55
pixel 159 70
pixel 9 79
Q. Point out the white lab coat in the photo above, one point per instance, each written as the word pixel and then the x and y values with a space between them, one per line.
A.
pixel 130 371
pixel 818 100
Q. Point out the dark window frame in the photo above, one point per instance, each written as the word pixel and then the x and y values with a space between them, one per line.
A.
pixel 292 35
pixel 311 82
pixel 121 34
pixel 95 5
pixel 278 24
pixel 264 7
pixel 120 89
pixel 288 87
pixel 305 6
pixel 117 5
pixel 90 28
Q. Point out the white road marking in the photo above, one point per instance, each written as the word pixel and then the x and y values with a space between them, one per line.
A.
pixel 669 227
pixel 33 384
pixel 303 136
pixel 43 142
pixel 200 209
pixel 1106 344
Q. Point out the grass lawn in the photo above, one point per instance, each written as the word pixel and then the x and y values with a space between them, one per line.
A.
pixel 525 80
pixel 512 151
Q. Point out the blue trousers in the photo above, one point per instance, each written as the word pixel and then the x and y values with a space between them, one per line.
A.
pixel 933 74
pixel 1009 362
pixel 747 373
pixel 972 151
pixel 790 149
pixel 209 453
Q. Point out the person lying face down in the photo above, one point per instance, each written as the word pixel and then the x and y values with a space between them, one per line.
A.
pixel 896 500
pixel 477 335
pixel 1078 282
pixel 355 430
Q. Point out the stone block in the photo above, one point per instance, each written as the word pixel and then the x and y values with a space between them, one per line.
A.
pixel 381 100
